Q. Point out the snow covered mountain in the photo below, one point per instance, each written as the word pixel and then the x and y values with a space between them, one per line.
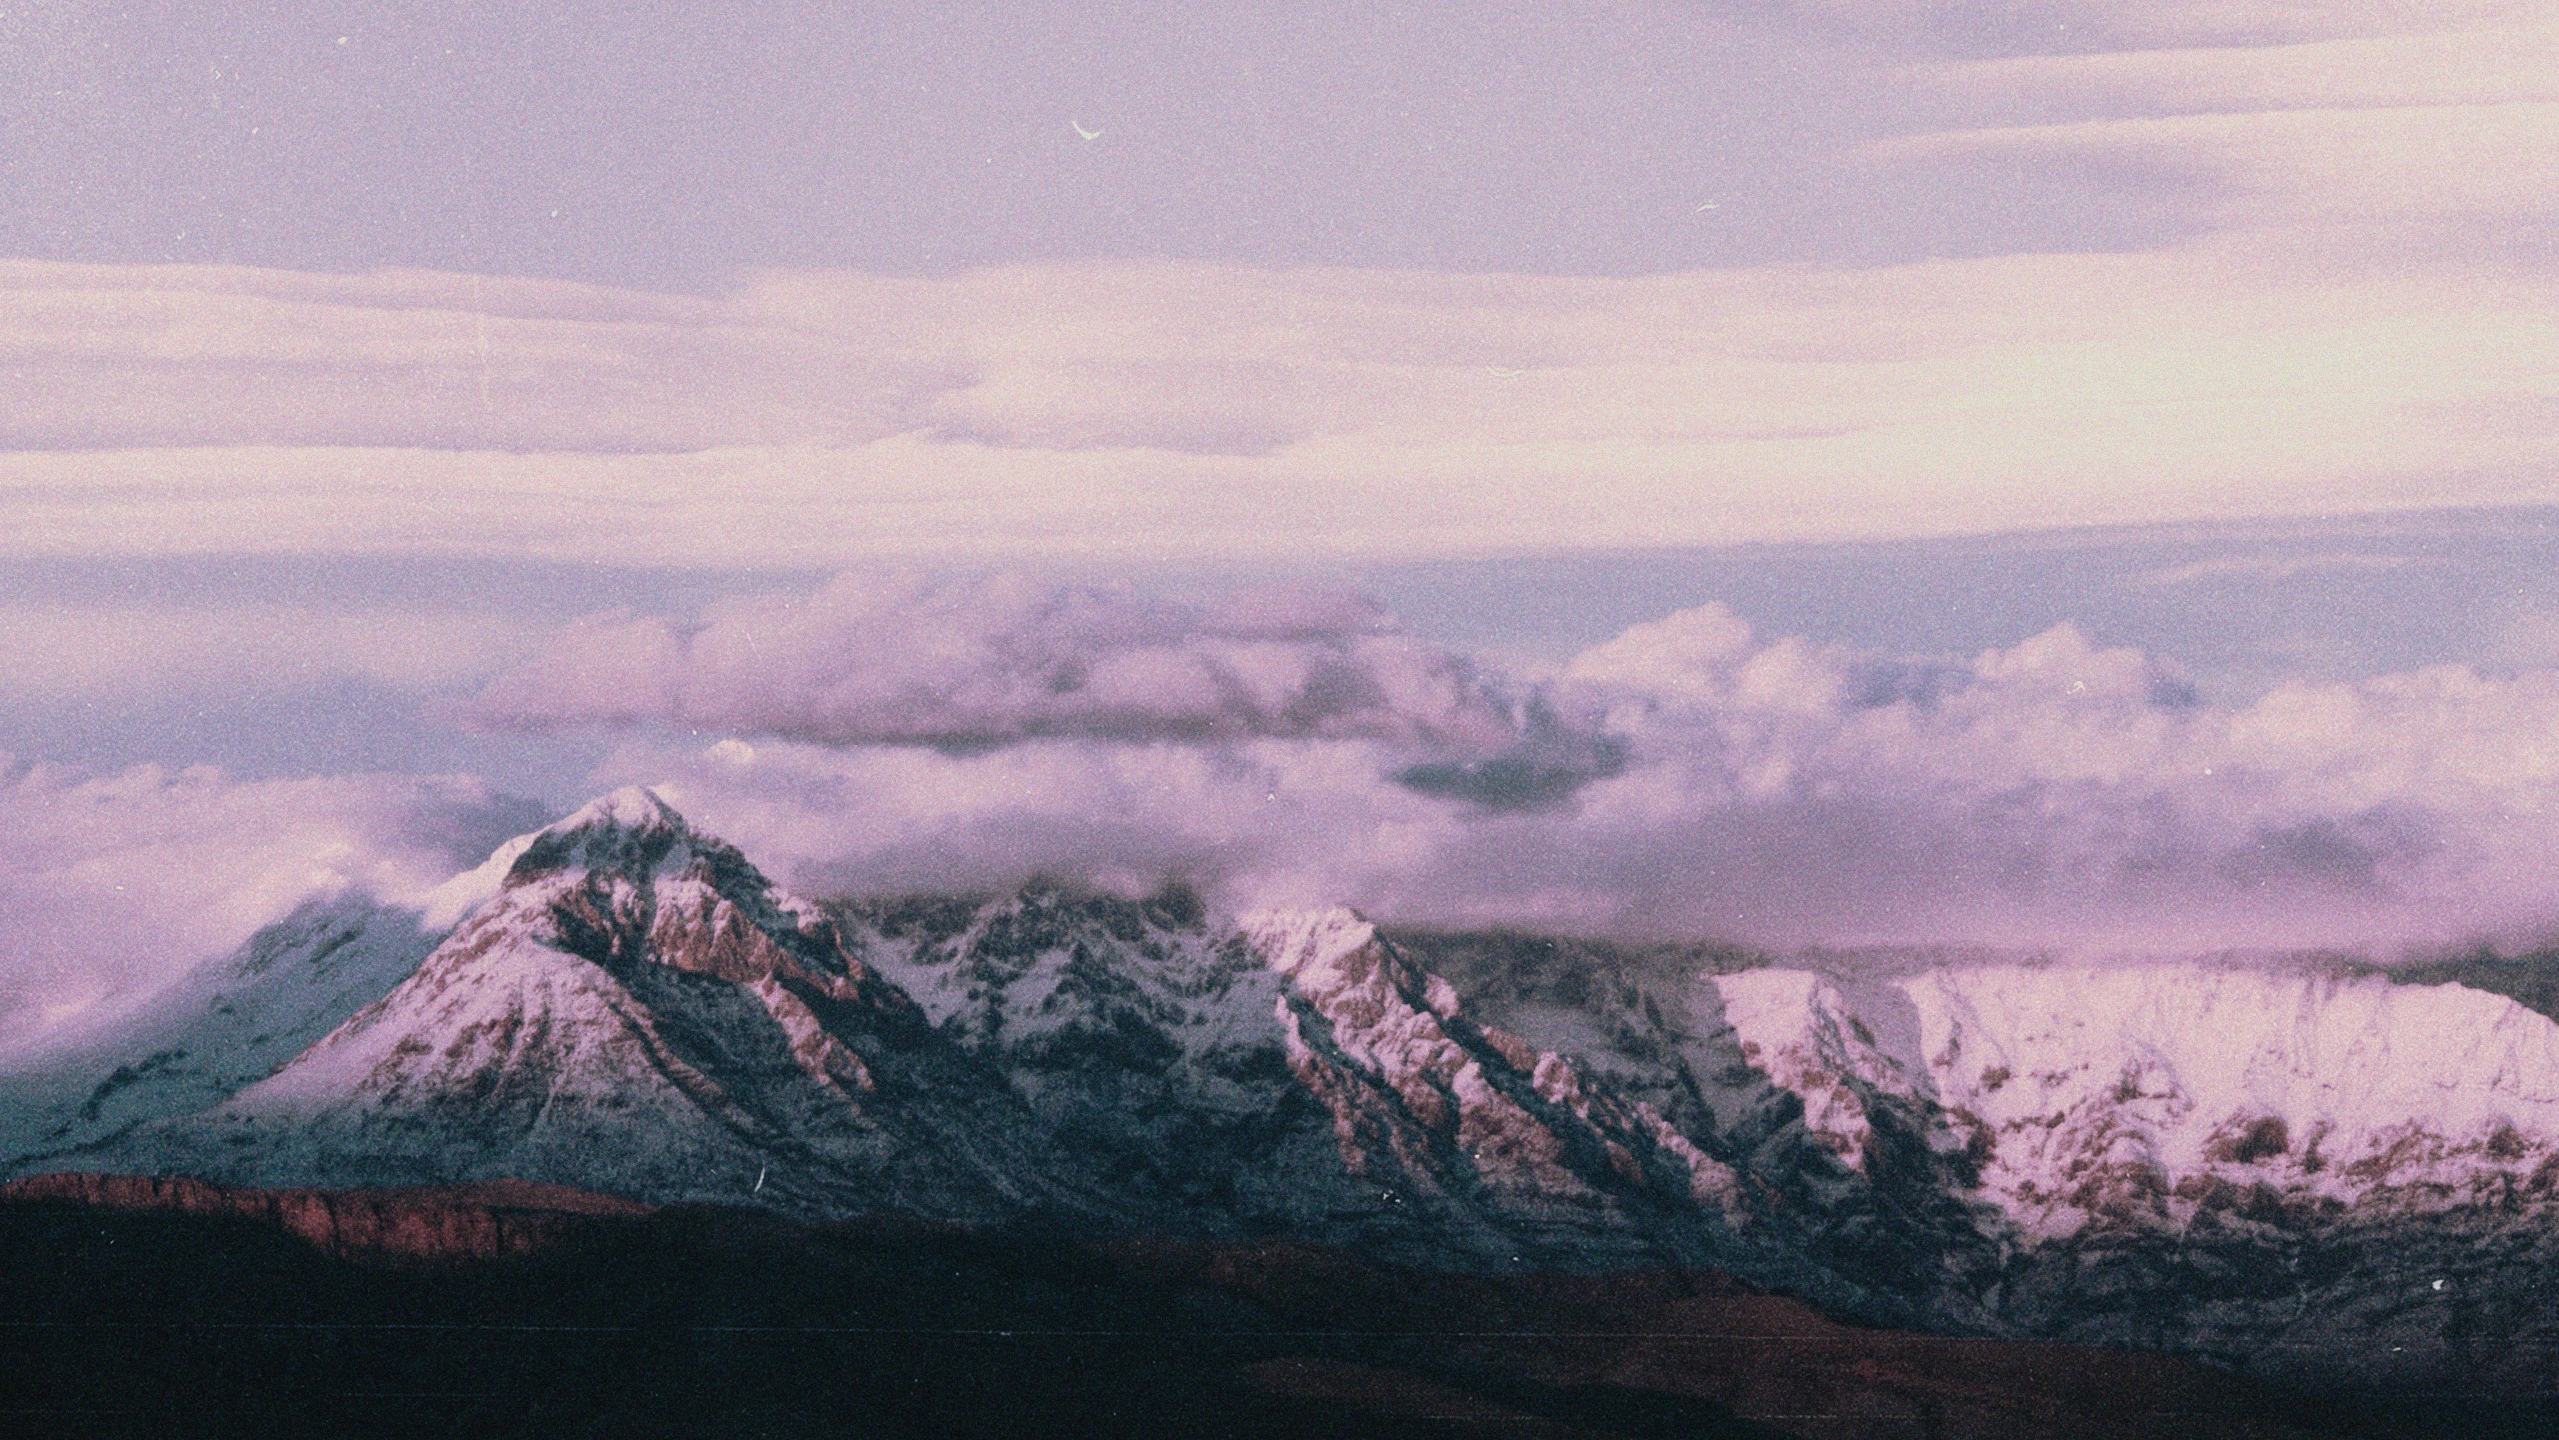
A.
pixel 2129 1096
pixel 1295 1073
pixel 2248 1163
pixel 2296 1169
pixel 2269 1166
pixel 229 1022
pixel 634 1009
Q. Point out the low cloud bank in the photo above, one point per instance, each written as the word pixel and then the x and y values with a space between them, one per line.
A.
pixel 907 660
pixel 1686 777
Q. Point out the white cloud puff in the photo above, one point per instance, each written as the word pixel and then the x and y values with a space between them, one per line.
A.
pixel 1688 777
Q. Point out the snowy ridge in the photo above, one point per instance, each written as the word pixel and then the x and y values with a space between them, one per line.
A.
pixel 1360 1009
pixel 1293 1071
pixel 447 904
pixel 2128 1093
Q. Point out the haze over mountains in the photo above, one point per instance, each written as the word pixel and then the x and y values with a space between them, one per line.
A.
pixel 2302 1171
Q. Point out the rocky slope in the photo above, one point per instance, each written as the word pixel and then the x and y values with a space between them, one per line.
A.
pixel 1296 1073
pixel 2285 1168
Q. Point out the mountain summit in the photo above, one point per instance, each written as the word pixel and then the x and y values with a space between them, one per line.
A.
pixel 635 1009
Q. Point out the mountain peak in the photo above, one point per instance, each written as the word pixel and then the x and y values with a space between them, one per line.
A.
pixel 634 808
pixel 632 831
pixel 1293 940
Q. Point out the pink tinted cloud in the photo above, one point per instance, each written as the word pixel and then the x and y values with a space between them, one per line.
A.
pixel 2052 792
pixel 184 356
pixel 901 659
pixel 1149 409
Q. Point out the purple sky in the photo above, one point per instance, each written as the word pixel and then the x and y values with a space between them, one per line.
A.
pixel 2078 474
pixel 681 146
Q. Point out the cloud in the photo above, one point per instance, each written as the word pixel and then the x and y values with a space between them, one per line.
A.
pixel 2440 64
pixel 2353 316
pixel 1142 410
pixel 2353 166
pixel 179 357
pixel 902 659
pixel 1715 782
pixel 2358 127
pixel 2531 639
pixel 1549 762
pixel 1688 777
pixel 112 884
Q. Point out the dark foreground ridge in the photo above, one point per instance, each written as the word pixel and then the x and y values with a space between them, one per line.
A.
pixel 132 1306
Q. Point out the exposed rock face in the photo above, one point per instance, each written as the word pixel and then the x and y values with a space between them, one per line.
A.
pixel 1411 1080
pixel 635 1009
pixel 1296 1073
pixel 2122 1096
pixel 462 1222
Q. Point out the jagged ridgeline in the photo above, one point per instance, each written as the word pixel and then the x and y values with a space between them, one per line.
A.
pixel 2316 1172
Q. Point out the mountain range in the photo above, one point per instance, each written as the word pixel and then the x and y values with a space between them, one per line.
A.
pixel 2310 1171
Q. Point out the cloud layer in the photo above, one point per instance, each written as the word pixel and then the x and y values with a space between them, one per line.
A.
pixel 2341 302
pixel 907 660
pixel 2291 116
pixel 1686 777
pixel 1147 410
pixel 2334 297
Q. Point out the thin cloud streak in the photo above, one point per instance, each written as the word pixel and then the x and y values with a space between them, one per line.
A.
pixel 2367 131
pixel 1146 410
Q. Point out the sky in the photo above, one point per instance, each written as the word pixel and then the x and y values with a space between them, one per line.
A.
pixel 2068 476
